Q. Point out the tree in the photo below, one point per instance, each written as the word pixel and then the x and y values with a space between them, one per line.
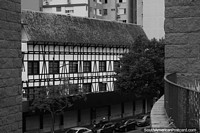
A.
pixel 55 99
pixel 142 68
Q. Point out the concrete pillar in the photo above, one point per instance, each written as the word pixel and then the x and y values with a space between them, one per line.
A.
pixel 10 67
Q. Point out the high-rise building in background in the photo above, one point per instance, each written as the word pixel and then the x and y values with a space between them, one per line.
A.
pixel 116 10
pixel 35 5
pixel 147 13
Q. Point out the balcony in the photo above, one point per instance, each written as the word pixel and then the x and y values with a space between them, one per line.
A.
pixel 182 104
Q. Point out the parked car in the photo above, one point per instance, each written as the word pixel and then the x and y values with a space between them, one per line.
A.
pixel 78 130
pixel 125 125
pixel 104 127
pixel 143 120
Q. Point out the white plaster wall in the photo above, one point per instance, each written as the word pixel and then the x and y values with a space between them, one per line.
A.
pixel 68 57
pixel 55 2
pixel 79 1
pixel 140 12
pixel 81 11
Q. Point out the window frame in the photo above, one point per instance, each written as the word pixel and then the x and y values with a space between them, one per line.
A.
pixel 102 66
pixel 54 67
pixel 102 87
pixel 87 67
pixel 31 68
pixel 88 87
pixel 58 7
pixel 116 65
pixel 105 12
pixel 73 64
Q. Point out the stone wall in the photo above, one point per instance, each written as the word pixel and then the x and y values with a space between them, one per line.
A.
pixel 10 67
pixel 182 28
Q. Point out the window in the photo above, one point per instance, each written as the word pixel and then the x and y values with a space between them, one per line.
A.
pixel 106 1
pixel 87 87
pixel 105 12
pixel 68 1
pixel 73 89
pixel 69 11
pixel 122 11
pixel 115 86
pixel 113 9
pixel 87 66
pixel 102 66
pixel 53 67
pixel 33 67
pixel 95 11
pixel 124 21
pixel 73 66
pixel 116 65
pixel 122 1
pixel 100 12
pixel 82 131
pixel 102 86
pixel 58 9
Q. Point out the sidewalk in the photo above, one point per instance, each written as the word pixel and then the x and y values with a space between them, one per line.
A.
pixel 159 119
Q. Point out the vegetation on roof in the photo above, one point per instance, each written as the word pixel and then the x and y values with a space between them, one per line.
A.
pixel 50 27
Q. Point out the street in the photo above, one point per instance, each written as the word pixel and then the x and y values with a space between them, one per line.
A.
pixel 138 130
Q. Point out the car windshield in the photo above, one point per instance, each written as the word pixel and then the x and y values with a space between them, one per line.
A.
pixel 140 117
pixel 71 131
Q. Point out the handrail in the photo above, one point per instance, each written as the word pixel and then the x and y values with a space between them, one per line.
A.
pixel 182 104
pixel 178 85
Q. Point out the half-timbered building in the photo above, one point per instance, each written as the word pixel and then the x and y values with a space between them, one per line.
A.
pixel 86 51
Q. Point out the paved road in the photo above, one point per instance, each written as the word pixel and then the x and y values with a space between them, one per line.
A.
pixel 135 131
pixel 138 130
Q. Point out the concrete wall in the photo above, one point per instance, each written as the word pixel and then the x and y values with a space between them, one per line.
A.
pixel 71 117
pixel 182 28
pixel 35 5
pixel 10 67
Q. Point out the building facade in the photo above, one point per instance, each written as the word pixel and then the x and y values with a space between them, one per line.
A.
pixel 35 5
pixel 86 51
pixel 147 13
pixel 126 11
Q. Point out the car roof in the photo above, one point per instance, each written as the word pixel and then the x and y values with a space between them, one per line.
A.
pixel 78 128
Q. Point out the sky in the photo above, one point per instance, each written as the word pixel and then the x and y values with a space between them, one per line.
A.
pixel 153 21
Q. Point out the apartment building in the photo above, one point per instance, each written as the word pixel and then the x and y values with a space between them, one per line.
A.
pixel 127 11
pixel 147 13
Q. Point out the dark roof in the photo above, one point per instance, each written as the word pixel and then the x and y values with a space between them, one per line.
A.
pixel 48 27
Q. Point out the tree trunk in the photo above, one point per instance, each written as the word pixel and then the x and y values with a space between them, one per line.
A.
pixel 53 122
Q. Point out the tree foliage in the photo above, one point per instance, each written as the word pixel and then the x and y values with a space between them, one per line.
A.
pixel 142 68
pixel 55 99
